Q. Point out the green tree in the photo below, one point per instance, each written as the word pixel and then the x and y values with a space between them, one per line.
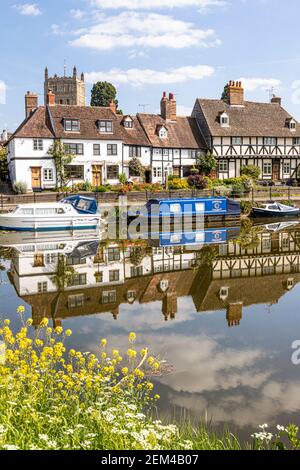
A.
pixel 136 168
pixel 207 163
pixel 103 93
pixel 3 164
pixel 61 157
pixel 252 171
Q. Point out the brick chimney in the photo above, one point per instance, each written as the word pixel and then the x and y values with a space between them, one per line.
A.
pixel 234 314
pixel 31 102
pixel 168 107
pixel 276 100
pixel 112 106
pixel 234 93
pixel 50 98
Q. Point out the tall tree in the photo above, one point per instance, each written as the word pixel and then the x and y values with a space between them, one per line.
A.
pixel 103 93
pixel 3 164
pixel 61 158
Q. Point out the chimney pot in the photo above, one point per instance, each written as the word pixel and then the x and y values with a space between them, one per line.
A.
pixel 235 93
pixel 112 106
pixel 168 107
pixel 31 103
pixel 276 100
pixel 50 98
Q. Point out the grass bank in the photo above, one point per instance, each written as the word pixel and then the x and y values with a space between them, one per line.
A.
pixel 59 399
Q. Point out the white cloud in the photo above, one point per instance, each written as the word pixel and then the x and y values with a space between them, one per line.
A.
pixel 78 14
pixel 139 77
pixel 254 84
pixel 29 9
pixel 132 29
pixel 3 88
pixel 154 4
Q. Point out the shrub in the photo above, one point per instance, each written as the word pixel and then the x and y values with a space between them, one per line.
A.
pixel 252 171
pixel 20 187
pixel 102 189
pixel 178 184
pixel 246 207
pixel 238 189
pixel 197 181
pixel 123 178
pixel 223 191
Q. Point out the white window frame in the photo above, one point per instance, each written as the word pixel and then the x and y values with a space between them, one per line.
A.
pixel 270 141
pixel 46 172
pixel 38 145
pixel 237 141
pixel 157 172
pixel 223 166
pixel 286 164
pixel 269 166
pixel 105 126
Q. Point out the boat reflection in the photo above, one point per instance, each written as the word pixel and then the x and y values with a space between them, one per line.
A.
pixel 79 275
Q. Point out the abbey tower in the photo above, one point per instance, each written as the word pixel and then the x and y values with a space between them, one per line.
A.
pixel 67 90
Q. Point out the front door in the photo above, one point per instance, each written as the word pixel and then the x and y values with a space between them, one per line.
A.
pixel 276 170
pixel 36 178
pixel 97 175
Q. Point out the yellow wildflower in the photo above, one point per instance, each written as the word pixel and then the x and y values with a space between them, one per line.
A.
pixel 132 337
pixel 68 332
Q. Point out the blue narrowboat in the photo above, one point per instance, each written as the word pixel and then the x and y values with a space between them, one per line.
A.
pixel 213 208
pixel 209 236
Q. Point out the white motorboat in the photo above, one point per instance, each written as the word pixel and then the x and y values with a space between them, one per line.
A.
pixel 275 209
pixel 52 217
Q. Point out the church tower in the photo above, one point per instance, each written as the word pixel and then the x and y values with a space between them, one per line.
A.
pixel 67 90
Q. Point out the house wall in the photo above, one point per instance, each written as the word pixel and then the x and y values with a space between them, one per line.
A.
pixel 254 152
pixel 22 157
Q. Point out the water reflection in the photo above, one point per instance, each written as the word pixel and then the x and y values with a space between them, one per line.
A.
pixel 180 299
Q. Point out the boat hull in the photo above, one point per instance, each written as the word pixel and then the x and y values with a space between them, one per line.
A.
pixel 48 224
pixel 256 212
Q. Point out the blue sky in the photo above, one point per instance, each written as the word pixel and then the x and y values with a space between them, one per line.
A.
pixel 145 47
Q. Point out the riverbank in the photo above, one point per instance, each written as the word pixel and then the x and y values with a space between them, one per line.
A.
pixel 106 199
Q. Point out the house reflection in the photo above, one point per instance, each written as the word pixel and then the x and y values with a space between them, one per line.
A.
pixel 61 279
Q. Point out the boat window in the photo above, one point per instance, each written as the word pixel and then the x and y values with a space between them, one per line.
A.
pixel 200 207
pixel 26 211
pixel 274 208
pixel 175 208
pixel 46 211
pixel 84 205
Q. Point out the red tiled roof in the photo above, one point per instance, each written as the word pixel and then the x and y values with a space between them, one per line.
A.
pixel 182 133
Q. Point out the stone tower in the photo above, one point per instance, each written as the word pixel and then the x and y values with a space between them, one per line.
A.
pixel 67 90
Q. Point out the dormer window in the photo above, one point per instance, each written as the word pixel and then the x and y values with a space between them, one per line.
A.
pixel 291 124
pixel 224 120
pixel 128 122
pixel 105 126
pixel 224 293
pixel 72 125
pixel 162 132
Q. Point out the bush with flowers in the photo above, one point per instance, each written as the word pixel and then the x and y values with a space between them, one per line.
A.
pixel 54 398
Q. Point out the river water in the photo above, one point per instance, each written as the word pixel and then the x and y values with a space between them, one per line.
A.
pixel 223 314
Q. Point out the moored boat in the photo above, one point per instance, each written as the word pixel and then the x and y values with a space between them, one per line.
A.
pixel 275 209
pixel 214 208
pixel 50 217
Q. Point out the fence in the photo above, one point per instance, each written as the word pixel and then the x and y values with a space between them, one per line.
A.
pixel 8 201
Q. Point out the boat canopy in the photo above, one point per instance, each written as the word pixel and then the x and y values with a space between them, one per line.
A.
pixel 83 205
